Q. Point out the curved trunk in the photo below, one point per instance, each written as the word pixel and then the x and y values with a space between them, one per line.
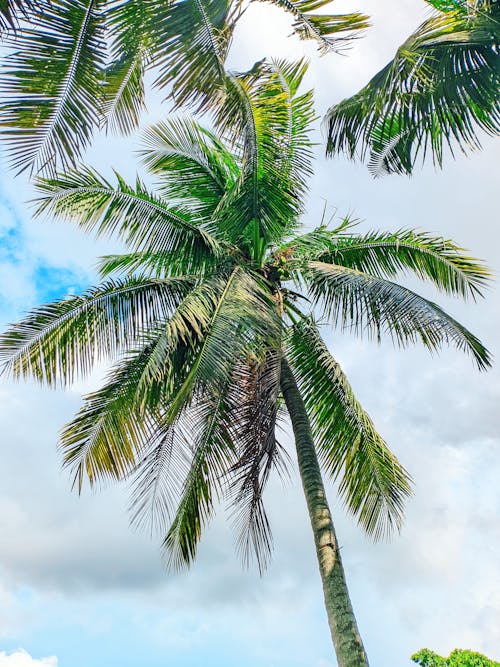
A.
pixel 343 627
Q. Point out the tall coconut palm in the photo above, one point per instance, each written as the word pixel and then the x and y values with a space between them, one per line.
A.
pixel 74 66
pixel 211 317
pixel 441 90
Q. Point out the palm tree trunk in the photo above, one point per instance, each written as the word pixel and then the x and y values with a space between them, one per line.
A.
pixel 345 634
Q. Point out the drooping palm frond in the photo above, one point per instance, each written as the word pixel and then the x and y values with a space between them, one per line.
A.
pixel 51 85
pixel 372 482
pixel 331 31
pixel 440 90
pixel 63 340
pixel 142 220
pixel 212 455
pixel 111 430
pixel 130 405
pixel 193 165
pixel 362 302
pixel 256 387
pixel 387 254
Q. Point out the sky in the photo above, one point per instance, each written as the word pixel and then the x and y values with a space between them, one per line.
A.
pixel 79 587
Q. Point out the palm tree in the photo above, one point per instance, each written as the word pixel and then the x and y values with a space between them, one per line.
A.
pixel 75 66
pixel 441 90
pixel 210 316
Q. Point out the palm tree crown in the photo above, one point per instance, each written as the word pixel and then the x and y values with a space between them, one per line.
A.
pixel 216 292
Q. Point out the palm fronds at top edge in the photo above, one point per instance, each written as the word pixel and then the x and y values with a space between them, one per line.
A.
pixel 440 91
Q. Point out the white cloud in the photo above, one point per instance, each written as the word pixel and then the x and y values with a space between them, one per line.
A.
pixel 21 658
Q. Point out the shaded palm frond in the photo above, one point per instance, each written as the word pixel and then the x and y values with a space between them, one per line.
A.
pixel 191 39
pixel 127 22
pixel 372 482
pixel 52 103
pixel 362 302
pixel 253 424
pixel 440 90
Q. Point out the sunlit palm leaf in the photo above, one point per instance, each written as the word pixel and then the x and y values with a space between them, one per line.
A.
pixel 111 430
pixel 142 220
pixel 192 164
pixel 330 31
pixel 212 455
pixel 386 254
pixel 191 39
pixel 130 53
pixel 274 123
pixel 63 340
pixel 372 482
pixel 53 82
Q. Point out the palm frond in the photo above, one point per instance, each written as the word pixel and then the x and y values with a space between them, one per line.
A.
pixel 132 214
pixel 440 90
pixel 53 102
pixel 12 11
pixel 331 31
pixel 60 341
pixel 372 482
pixel 193 165
pixel 127 21
pixel 107 437
pixel 386 254
pixel 256 388
pixel 274 123
pixel 191 39
pixel 212 455
pixel 363 302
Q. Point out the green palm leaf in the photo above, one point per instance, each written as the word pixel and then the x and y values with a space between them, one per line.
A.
pixel 440 90
pixel 191 39
pixel 63 340
pixel 362 302
pixel 372 482
pixel 142 220
pixel 263 111
pixel 130 54
pixel 212 455
pixel 53 103
pixel 194 167
pixel 386 254
pixel 111 430
pixel 330 31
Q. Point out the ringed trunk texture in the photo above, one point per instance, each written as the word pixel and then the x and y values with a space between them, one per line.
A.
pixel 343 627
